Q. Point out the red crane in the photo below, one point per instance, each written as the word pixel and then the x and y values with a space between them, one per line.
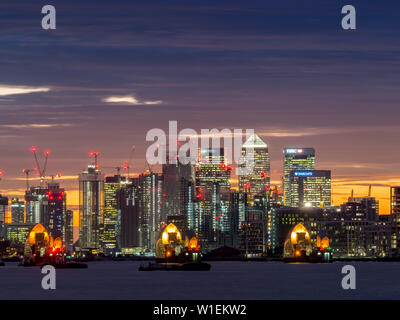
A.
pixel 41 171
pixel 127 163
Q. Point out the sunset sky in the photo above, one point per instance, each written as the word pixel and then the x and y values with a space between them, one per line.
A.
pixel 115 69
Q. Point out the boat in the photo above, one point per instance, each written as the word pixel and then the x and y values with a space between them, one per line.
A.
pixel 195 266
pixel 314 257
pixel 296 259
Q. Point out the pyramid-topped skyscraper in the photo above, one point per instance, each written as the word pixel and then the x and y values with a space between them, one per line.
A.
pixel 256 181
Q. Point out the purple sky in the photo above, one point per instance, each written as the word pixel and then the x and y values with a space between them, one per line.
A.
pixel 285 68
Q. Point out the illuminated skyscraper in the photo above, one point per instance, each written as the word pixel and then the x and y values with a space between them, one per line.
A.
pixel 91 197
pixel 395 201
pixel 310 188
pixel 296 159
pixel 228 235
pixel 149 190
pixel 3 208
pixel 47 206
pixel 128 205
pixel 178 192
pixel 53 220
pixel 17 211
pixel 36 204
pixel 212 185
pixel 395 217
pixel 111 187
pixel 68 229
pixel 256 182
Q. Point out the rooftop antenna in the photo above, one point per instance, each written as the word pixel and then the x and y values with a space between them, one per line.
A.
pixel 94 155
pixel 58 175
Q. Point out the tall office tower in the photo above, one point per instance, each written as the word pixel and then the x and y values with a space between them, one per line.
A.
pixel 296 159
pixel 310 188
pixel 395 216
pixel 229 234
pixel 3 208
pixel 111 187
pixel 178 192
pixel 91 201
pixel 17 211
pixel 53 220
pixel 257 182
pixel 68 229
pixel 128 206
pixel 149 187
pixel 36 199
pixel 187 196
pixel 213 185
pixel 395 201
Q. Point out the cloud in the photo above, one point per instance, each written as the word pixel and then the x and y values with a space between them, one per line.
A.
pixel 374 181
pixel 34 125
pixel 153 102
pixel 129 100
pixel 12 90
pixel 72 177
pixel 316 131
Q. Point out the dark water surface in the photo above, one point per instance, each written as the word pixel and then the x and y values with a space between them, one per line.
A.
pixel 226 280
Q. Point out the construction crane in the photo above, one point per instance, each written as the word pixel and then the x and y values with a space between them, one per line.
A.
pixel 27 172
pixel 116 168
pixel 41 171
pixel 127 163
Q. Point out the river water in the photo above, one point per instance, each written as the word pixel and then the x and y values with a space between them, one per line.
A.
pixel 225 281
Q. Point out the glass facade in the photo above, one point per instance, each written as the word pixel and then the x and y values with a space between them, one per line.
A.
pixel 17 211
pixel 111 187
pixel 310 188
pixel 91 195
pixel 296 159
pixel 256 182
pixel 212 186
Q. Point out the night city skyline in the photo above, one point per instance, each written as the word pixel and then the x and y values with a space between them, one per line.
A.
pixel 302 81
pixel 249 148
